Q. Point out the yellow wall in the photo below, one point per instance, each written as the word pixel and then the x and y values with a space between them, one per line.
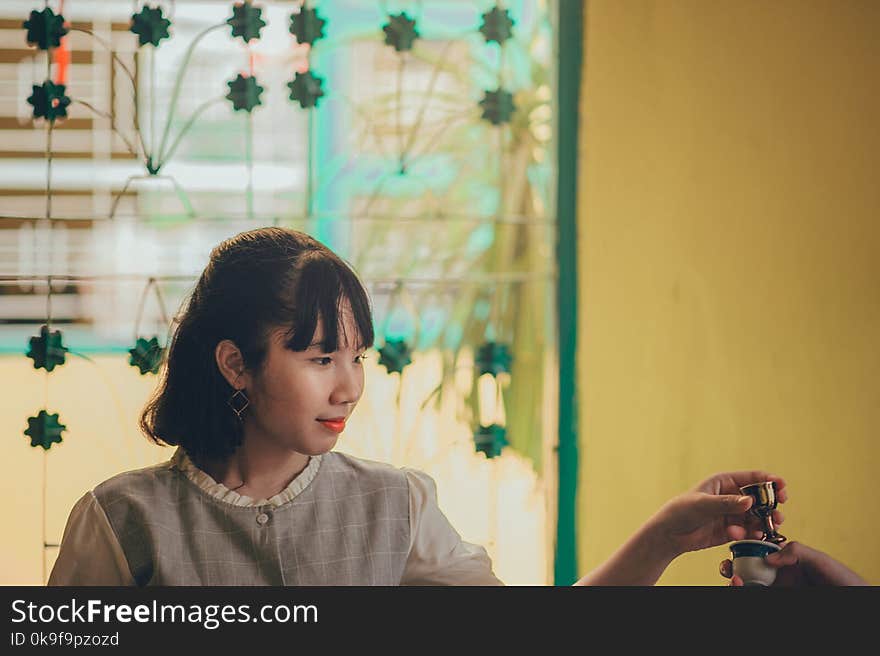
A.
pixel 99 402
pixel 730 265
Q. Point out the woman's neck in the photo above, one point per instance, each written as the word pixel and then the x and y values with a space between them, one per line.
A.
pixel 257 469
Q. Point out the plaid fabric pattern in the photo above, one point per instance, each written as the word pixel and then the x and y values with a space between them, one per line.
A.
pixel 350 526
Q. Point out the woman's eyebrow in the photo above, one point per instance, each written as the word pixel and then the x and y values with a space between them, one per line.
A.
pixel 322 347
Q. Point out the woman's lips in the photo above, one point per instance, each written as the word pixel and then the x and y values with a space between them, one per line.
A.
pixel 336 425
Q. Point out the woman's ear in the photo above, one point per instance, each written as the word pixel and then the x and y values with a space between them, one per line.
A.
pixel 230 362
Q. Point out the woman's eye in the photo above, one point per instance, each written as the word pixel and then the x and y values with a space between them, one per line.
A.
pixel 323 361
pixel 360 359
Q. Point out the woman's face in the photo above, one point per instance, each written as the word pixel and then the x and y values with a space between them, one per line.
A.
pixel 302 399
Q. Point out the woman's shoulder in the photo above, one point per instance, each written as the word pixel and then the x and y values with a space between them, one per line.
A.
pixel 136 480
pixel 338 462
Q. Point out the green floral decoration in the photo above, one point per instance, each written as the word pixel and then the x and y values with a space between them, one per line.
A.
pixel 497 106
pixel 150 26
pixel 49 101
pixel 47 350
pixel 395 355
pixel 44 429
pixel 244 92
pixel 307 26
pixel 400 32
pixel 306 89
pixel 146 355
pixel 45 29
pixel 497 25
pixel 246 21
pixel 493 358
pixel 490 440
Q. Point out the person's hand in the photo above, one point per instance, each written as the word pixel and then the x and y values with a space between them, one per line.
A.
pixel 799 564
pixel 714 513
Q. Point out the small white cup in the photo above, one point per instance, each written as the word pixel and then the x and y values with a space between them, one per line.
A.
pixel 748 562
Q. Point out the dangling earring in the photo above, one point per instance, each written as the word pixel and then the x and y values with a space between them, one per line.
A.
pixel 239 402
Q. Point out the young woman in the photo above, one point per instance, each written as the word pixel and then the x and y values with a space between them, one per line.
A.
pixel 263 371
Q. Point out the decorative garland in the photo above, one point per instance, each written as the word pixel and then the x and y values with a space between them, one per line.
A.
pixel 150 26
pixel 400 32
pixel 45 30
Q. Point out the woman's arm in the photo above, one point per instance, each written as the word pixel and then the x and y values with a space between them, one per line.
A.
pixel 711 514
pixel 90 553
pixel 437 554
pixel 639 561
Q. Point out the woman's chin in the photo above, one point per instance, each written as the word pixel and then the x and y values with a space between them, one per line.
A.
pixel 318 447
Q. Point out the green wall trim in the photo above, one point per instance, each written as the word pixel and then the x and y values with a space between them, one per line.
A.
pixel 570 39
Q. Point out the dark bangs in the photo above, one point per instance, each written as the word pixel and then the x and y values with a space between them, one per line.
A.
pixel 323 285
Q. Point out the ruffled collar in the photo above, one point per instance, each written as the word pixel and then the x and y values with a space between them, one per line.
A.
pixel 180 461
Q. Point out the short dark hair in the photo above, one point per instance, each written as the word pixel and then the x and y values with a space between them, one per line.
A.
pixel 254 282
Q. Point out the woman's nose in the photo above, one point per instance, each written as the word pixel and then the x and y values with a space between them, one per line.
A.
pixel 348 388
